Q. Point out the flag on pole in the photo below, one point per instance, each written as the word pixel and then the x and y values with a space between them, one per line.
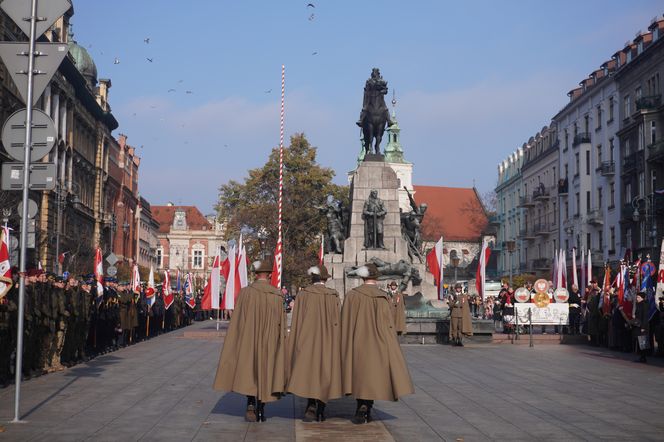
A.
pixel 648 276
pixel 61 257
pixel 228 302
pixel 188 291
pixel 135 280
pixel 590 267
pixel 435 263
pixel 150 297
pixel 559 264
pixel 584 280
pixel 607 277
pixel 575 279
pixel 211 291
pixel 166 290
pixel 5 266
pixel 480 275
pixel 278 267
pixel 659 291
pixel 554 270
pixel 99 275
pixel 242 267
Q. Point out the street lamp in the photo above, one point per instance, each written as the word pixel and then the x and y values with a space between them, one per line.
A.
pixel 511 247
pixel 6 213
pixel 262 239
pixel 649 214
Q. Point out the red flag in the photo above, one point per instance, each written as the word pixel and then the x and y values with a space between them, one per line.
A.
pixel 211 290
pixel 5 266
pixel 149 291
pixel 277 267
pixel 480 275
pixel 166 290
pixel 61 258
pixel 230 273
pixel 435 263
pixel 99 273
pixel 135 280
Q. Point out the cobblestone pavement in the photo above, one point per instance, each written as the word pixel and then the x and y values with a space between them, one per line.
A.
pixel 161 390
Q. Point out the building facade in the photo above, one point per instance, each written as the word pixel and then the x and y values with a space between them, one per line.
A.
pixel 187 240
pixel 509 215
pixel 639 74
pixel 147 235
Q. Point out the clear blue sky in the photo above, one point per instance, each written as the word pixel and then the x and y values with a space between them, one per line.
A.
pixel 473 80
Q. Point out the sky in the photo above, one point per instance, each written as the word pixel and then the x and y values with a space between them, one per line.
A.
pixel 196 85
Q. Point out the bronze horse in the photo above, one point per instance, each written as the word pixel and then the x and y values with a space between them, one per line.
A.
pixel 375 115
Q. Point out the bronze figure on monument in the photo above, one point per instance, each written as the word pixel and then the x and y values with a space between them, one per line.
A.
pixel 373 214
pixel 375 115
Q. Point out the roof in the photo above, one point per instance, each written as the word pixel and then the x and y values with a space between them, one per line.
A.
pixel 454 212
pixel 164 216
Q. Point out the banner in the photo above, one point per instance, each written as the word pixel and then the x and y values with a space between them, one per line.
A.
pixel 659 291
pixel 552 314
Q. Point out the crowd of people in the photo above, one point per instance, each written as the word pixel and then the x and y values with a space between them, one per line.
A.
pixel 66 323
pixel 630 325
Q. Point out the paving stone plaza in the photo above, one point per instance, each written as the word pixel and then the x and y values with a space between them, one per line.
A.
pixel 162 390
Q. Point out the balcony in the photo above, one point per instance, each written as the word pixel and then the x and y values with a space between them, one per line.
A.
pixel 656 151
pixel 631 162
pixel 650 102
pixel 528 234
pixel 543 229
pixel 597 256
pixel 495 220
pixel 608 168
pixel 541 194
pixel 526 201
pixel 595 218
pixel 580 138
pixel 542 264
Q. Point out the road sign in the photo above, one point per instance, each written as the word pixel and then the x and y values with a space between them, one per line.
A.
pixel 32 209
pixel 43 135
pixel 112 271
pixel 48 11
pixel 48 57
pixel 111 259
pixel 42 176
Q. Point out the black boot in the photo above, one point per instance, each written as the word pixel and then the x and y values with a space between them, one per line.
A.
pixel 250 415
pixel 310 411
pixel 260 411
pixel 362 413
pixel 320 411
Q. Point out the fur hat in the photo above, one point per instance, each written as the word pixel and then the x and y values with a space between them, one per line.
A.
pixel 368 271
pixel 264 266
pixel 319 270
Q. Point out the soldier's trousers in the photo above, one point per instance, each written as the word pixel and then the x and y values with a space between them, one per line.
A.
pixel 56 348
pixel 455 328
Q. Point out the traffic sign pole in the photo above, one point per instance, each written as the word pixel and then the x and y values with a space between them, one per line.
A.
pixel 24 215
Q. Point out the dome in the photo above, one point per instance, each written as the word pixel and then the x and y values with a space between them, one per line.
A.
pixel 84 62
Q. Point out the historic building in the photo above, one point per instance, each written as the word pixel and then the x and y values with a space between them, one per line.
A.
pixel 640 68
pixel 187 240
pixel 588 191
pixel 539 174
pixel 147 235
pixel 509 215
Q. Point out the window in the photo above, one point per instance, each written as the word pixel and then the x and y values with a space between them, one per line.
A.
pixel 588 162
pixel 610 110
pixel 599 198
pixel 160 253
pixel 578 164
pixel 612 233
pixel 642 184
pixel 566 210
pixel 628 238
pixel 600 241
pixel 566 140
pixel 197 259
pixel 586 124
pixel 653 132
pixel 555 213
pixel 599 155
pixel 598 123
pixel 628 193
pixel 566 170
pixel 612 192
pixel 628 148
pixel 611 149
pixel 578 203
pixel 627 106
pixel 588 241
pixel 642 139
pixel 576 130
pixel 637 94
pixel 588 208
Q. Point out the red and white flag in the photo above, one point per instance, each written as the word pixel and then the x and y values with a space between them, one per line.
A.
pixel 277 266
pixel 435 263
pixel 321 252
pixel 241 276
pixel 5 265
pixel 555 273
pixel 149 291
pixel 590 267
pixel 135 279
pixel 211 291
pixel 480 276
pixel 563 263
pixel 584 279
pixel 166 290
pixel 228 302
pixel 99 273
pixel 575 279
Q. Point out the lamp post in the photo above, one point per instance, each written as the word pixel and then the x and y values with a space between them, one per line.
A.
pixel 511 246
pixel 262 239
pixel 649 213
pixel 63 196
pixel 114 227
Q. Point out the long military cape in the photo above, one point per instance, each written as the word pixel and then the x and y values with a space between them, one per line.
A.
pixel 314 344
pixel 252 361
pixel 373 367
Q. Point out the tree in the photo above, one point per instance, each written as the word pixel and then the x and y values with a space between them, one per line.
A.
pixel 251 207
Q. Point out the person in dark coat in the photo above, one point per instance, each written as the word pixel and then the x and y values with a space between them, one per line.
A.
pixel 574 302
pixel 640 326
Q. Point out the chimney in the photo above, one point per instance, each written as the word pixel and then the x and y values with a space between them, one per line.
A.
pixel 102 95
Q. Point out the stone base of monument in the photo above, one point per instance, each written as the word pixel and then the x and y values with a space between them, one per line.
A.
pixel 374 174
pixel 436 331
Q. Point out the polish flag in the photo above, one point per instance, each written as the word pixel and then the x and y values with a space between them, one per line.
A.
pixel 228 302
pixel 189 298
pixel 575 279
pixel 149 291
pixel 211 291
pixel 241 269
pixel 5 266
pixel 136 280
pixel 555 271
pixel 480 275
pixel 166 290
pixel 99 274
pixel 435 263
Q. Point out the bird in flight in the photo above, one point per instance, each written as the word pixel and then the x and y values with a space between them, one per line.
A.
pixel 149 59
pixel 311 17
pixel 171 90
pixel 268 91
pixel 310 5
pixel 116 61
pixel 314 53
pixel 147 40
pixel 188 92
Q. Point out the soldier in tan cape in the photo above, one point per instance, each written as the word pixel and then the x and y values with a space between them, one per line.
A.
pixel 373 367
pixel 399 309
pixel 252 361
pixel 314 345
pixel 460 323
